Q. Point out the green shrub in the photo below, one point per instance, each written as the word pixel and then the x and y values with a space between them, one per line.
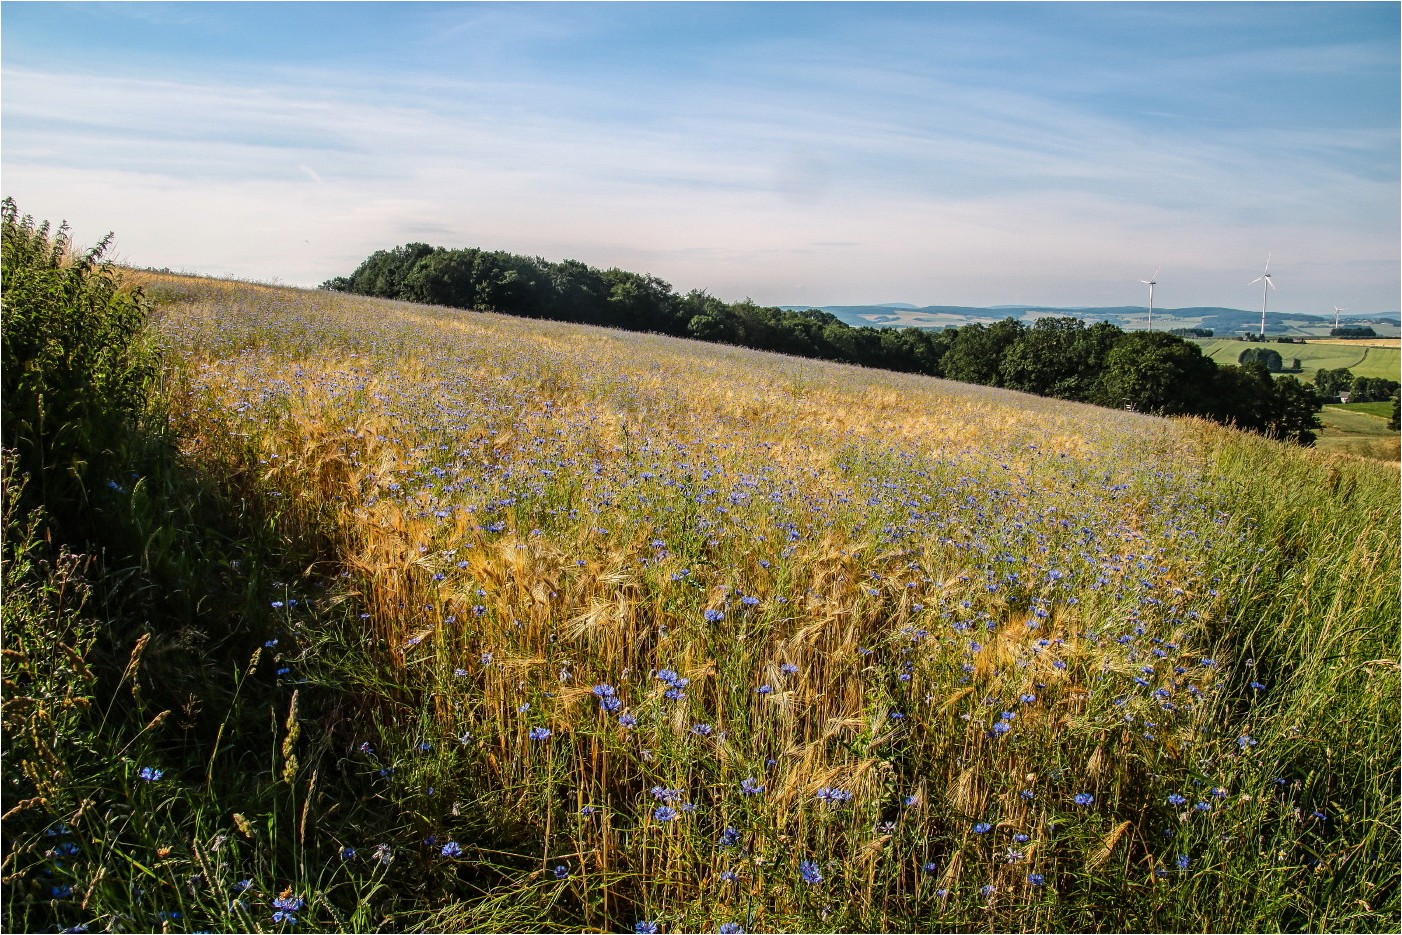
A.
pixel 75 361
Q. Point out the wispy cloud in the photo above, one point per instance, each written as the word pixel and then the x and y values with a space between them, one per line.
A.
pixel 771 172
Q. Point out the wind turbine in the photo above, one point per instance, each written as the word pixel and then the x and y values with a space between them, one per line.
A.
pixel 1150 282
pixel 1265 280
pixel 1337 309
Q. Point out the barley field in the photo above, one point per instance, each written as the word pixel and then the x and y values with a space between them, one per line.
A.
pixel 616 632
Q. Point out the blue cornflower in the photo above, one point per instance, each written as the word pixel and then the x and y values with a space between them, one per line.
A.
pixel 666 675
pixel 982 827
pixel 749 787
pixel 1258 686
pixel 347 853
pixel 674 694
pixel 150 773
pixel 663 794
pixel 1083 798
pixel 561 872
pixel 603 691
pixel 645 928
pixel 808 870
pixel 988 889
pixel 1203 807
pixel 664 813
pixel 1183 861
pixel 714 616
pixel 729 837
pixel 451 849
pixel 1001 727
pixel 764 690
pixel 833 795
pixel 789 668
pixel 929 866
pixel 729 876
pixel 287 906
pixel 730 928
pixel 242 885
pixel 587 810
pixel 1026 699
pixel 1036 879
pixel 701 730
pixel 1245 741
pixel 749 601
pixel 540 733
pixel 908 801
pixel 627 720
pixel 460 673
pixel 1175 799
pixel 523 708
pixel 62 891
pixel 1020 838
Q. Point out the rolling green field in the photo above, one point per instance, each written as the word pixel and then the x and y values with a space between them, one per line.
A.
pixel 1359 429
pixel 495 624
pixel 1363 360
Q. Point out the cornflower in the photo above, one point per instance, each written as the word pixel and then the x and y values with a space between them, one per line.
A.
pixel 810 873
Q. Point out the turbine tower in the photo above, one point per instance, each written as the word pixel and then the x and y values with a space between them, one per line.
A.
pixel 1265 280
pixel 1337 309
pixel 1150 282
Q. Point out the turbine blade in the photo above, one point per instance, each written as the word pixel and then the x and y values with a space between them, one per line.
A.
pixel 1256 280
pixel 1269 283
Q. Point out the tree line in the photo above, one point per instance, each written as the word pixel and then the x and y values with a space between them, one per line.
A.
pixel 1149 371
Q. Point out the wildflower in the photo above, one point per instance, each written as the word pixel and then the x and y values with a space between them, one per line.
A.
pixel 522 709
pixel 664 813
pixel 286 906
pixel 929 866
pixel 1245 741
pixel 674 694
pixel 730 928
pixel 627 720
pixel 988 889
pixel 714 616
pixel 1001 727
pixel 701 730
pixel 540 733
pixel 982 827
pixel 425 746
pixel 1020 838
pixel 1175 799
pixel 1203 807
pixel 808 870
pixel 645 928
pixel 62 891
pixel 1258 686
pixel 1036 879
pixel 150 773
pixel 242 885
pixel 663 794
pixel 561 872
pixel 729 837
pixel 451 849
pixel 609 704
pixel 789 668
pixel 833 795
pixel 460 673
pixel 749 601
pixel 347 853
pixel 1083 798
pixel 908 801
pixel 486 659
pixel 587 810
pixel 383 854
pixel 764 690
pixel 1026 699
pixel 1027 794
pixel 729 876
pixel 603 691
pixel 666 675
pixel 748 786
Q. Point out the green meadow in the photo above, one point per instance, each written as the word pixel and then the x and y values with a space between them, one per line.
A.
pixel 1364 358
pixel 400 618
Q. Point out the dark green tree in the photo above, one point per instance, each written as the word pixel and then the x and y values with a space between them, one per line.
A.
pixel 1157 372
pixel 1265 355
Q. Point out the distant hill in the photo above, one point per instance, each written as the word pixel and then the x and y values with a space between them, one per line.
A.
pixel 1223 321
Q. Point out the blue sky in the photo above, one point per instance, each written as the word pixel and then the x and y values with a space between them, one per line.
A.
pixel 940 153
